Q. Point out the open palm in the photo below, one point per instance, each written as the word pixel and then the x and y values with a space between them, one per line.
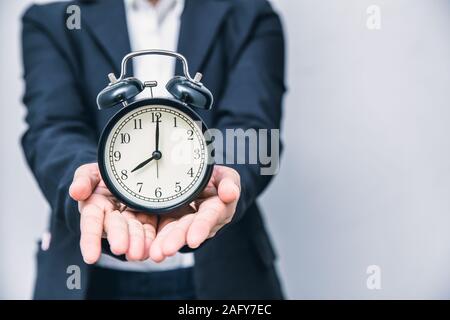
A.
pixel 142 235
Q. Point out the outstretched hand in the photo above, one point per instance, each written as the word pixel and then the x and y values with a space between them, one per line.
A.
pixel 140 235
pixel 192 224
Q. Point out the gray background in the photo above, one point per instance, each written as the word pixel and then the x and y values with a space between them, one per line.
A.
pixel 365 177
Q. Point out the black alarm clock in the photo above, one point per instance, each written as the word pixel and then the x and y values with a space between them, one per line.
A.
pixel 155 154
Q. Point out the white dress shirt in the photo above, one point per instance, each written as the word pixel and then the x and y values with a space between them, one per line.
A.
pixel 152 27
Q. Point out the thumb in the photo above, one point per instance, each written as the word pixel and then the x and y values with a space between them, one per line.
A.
pixel 228 191
pixel 85 179
pixel 228 181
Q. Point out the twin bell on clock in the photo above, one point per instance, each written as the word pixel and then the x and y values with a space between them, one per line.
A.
pixel 154 154
pixel 183 88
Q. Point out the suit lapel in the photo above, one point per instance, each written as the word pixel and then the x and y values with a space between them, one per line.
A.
pixel 200 22
pixel 106 21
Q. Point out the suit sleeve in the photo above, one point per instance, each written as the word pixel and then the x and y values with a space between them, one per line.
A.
pixel 252 100
pixel 59 137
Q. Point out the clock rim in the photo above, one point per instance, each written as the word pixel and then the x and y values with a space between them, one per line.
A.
pixel 104 137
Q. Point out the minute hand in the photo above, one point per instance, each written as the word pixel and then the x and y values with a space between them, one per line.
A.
pixel 143 164
pixel 157 136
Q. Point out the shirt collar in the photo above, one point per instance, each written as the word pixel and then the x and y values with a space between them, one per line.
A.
pixel 161 9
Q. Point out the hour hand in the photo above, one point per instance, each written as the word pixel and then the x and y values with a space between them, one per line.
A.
pixel 155 156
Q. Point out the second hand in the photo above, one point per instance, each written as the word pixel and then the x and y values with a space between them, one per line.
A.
pixel 157 170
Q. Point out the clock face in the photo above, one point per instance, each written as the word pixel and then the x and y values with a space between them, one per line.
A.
pixel 155 157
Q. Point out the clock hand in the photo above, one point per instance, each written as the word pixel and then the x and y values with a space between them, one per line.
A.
pixel 157 135
pixel 157 146
pixel 155 156
pixel 157 170
pixel 142 164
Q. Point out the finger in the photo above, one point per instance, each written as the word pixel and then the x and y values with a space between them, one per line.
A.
pixel 156 252
pixel 86 178
pixel 176 237
pixel 136 240
pixel 150 234
pixel 210 214
pixel 116 227
pixel 91 226
pixel 149 223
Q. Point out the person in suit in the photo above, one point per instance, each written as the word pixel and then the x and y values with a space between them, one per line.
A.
pixel 220 251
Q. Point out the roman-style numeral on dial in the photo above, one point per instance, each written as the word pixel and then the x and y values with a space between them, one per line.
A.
pixel 137 124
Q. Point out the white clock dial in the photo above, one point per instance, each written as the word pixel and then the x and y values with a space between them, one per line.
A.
pixel 138 174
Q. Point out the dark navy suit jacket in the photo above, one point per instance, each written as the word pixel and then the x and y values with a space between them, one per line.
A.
pixel 237 44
